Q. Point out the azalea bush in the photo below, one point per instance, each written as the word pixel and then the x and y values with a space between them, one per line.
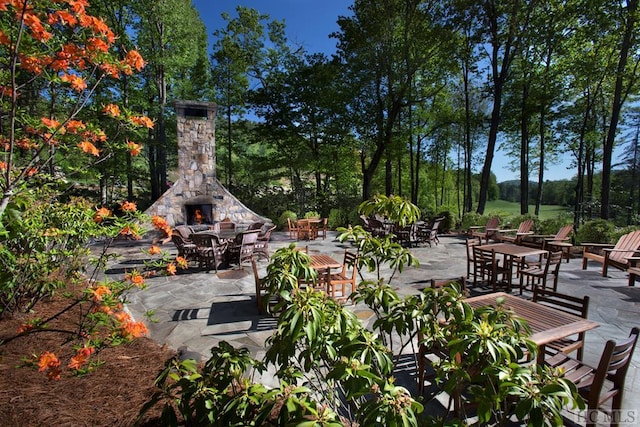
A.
pixel 55 56
pixel 54 248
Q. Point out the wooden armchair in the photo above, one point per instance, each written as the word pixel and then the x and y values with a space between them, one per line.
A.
pixel 488 231
pixel 241 250
pixel 339 282
pixel 569 304
pixel 516 235
pixel 261 247
pixel 293 228
pixel 186 248
pixel 612 255
pixel 605 382
pixel 211 253
pixel 633 270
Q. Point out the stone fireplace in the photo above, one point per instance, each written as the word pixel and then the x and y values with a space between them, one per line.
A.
pixel 197 197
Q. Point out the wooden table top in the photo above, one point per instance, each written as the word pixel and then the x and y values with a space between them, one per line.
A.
pixel 547 324
pixel 512 249
pixel 320 261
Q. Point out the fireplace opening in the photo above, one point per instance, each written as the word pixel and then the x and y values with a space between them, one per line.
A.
pixel 200 213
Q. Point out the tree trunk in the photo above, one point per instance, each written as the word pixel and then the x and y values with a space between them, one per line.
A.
pixel 524 151
pixel 618 100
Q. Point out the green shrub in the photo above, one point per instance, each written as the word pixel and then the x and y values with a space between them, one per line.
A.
pixel 596 231
pixel 282 219
pixel 312 214
pixel 619 232
pixel 337 218
pixel 470 219
pixel 447 222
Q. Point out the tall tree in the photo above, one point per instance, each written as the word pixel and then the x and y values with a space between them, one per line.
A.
pixel 502 27
pixel 626 75
pixel 171 34
pixel 240 58
pixel 383 46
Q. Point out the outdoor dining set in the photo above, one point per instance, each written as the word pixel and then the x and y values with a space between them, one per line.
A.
pixel 222 244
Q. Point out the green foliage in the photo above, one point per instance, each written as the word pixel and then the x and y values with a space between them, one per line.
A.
pixel 596 231
pixel 447 222
pixel 337 218
pixel 312 214
pixel 619 232
pixel 550 226
pixel 282 219
pixel 395 208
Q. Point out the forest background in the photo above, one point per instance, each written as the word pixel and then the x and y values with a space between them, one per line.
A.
pixel 415 102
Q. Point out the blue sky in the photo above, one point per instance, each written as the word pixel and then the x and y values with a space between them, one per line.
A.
pixel 309 23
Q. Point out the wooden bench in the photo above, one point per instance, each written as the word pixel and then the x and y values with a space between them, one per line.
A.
pixel 633 270
pixel 615 256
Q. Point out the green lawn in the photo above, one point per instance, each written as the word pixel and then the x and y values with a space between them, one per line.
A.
pixel 512 208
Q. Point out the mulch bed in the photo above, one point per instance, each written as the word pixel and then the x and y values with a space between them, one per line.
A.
pixel 112 395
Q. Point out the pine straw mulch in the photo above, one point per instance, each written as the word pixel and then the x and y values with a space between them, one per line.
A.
pixel 112 395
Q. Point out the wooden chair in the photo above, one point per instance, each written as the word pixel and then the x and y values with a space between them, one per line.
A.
pixel 261 247
pixel 304 230
pixel 612 255
pixel 429 234
pixel 339 282
pixel 293 228
pixel 488 231
pixel 322 229
pixel 186 248
pixel 470 243
pixel 569 304
pixel 633 270
pixel 537 273
pixel 516 235
pixel 558 241
pixel 241 250
pixel 487 267
pixel 226 224
pixel 255 226
pixel 604 382
pixel 211 253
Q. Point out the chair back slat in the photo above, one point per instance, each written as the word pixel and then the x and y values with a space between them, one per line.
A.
pixel 625 247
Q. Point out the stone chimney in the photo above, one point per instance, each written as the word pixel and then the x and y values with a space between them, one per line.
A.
pixel 197 197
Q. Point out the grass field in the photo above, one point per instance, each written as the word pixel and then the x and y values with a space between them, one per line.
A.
pixel 513 209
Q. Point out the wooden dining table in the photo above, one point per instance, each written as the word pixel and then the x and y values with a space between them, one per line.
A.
pixel 511 252
pixel 320 261
pixel 547 324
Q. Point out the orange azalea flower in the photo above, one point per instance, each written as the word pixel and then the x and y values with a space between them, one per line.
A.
pixel 136 279
pixel 134 59
pixel 142 121
pixel 171 268
pixel 110 70
pixel 81 357
pixel 88 147
pixel 158 221
pixel 32 171
pixel 3 166
pixel 111 110
pixel 25 327
pixel 73 126
pixel 101 214
pixel 77 83
pixel 130 231
pixel 122 317
pixel 182 262
pixel 100 292
pixel 31 63
pixel 78 6
pixel 50 363
pixel 95 44
pixel 50 123
pixel 133 329
pixel 103 309
pixel 128 206
pixel 134 149
pixel 154 250
pixel 62 16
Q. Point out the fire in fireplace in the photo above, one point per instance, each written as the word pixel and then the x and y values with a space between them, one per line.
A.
pixel 201 213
